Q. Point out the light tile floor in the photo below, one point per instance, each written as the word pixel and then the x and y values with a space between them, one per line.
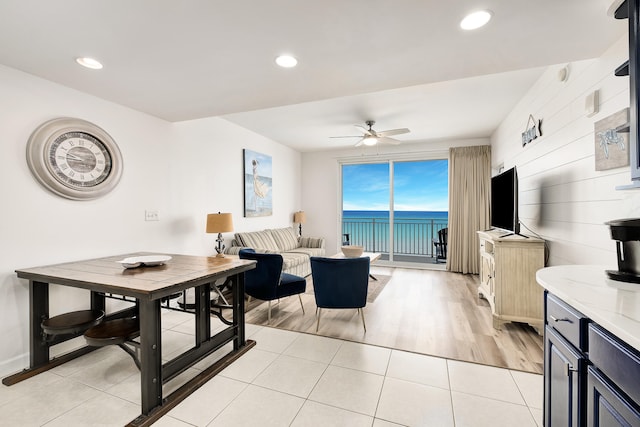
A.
pixel 287 379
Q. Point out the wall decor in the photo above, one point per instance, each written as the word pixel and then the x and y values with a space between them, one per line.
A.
pixel 74 158
pixel 257 184
pixel 612 141
pixel 532 131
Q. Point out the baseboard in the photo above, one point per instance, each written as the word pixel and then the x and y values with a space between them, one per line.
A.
pixel 14 365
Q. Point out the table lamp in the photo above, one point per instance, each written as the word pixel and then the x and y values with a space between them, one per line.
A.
pixel 299 218
pixel 219 223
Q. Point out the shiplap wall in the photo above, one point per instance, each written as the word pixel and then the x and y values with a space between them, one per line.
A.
pixel 562 197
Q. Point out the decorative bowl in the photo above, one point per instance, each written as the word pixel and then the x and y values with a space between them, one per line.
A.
pixel 352 251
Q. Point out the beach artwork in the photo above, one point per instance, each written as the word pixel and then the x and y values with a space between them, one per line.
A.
pixel 257 184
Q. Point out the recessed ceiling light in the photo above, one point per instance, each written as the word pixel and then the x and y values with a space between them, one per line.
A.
pixel 89 63
pixel 475 20
pixel 286 61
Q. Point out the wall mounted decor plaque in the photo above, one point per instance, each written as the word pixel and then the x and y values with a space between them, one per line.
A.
pixel 612 141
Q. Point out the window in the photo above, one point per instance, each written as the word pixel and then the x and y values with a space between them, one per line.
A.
pixel 404 202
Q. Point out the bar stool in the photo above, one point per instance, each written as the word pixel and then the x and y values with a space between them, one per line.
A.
pixel 72 323
pixel 120 332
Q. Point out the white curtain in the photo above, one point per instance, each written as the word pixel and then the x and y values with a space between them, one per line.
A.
pixel 469 192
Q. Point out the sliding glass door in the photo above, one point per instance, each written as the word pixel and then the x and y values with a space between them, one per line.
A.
pixel 395 207
pixel 419 208
pixel 365 206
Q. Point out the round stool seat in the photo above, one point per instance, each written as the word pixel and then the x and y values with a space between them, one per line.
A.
pixel 72 323
pixel 116 331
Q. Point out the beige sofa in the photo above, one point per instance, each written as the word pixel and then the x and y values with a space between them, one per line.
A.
pixel 296 251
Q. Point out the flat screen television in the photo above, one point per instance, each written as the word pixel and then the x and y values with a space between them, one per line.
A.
pixel 504 201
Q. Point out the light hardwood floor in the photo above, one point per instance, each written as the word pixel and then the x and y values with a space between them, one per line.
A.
pixel 423 311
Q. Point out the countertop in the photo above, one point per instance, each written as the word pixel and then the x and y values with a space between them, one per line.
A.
pixel 614 305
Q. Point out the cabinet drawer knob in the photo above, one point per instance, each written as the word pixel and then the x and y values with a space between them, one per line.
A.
pixel 564 319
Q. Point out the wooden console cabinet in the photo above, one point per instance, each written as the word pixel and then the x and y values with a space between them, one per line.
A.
pixel 508 277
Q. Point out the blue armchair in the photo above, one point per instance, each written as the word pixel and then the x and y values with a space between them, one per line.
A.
pixel 340 283
pixel 267 281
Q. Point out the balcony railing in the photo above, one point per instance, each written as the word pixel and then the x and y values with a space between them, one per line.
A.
pixel 412 236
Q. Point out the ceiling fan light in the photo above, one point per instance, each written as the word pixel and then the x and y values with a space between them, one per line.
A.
pixel 370 140
pixel 475 20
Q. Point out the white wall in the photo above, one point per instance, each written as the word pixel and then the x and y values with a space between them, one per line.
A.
pixel 207 177
pixel 562 197
pixel 183 170
pixel 321 187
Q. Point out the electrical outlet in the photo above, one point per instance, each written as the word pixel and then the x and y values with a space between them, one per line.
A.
pixel 151 216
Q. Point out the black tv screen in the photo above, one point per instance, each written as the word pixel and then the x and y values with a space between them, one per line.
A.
pixel 504 201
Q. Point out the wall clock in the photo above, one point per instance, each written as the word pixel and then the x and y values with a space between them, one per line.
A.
pixel 74 158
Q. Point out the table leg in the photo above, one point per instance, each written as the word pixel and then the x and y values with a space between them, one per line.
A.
pixel 98 301
pixel 38 311
pixel 150 355
pixel 238 310
pixel 203 316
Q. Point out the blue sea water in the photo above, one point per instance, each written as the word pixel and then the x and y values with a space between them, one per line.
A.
pixel 413 230
pixel 398 215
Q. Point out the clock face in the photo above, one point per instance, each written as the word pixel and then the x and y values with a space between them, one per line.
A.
pixel 74 158
pixel 79 159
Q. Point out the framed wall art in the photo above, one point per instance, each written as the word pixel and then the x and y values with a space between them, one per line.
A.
pixel 612 141
pixel 258 174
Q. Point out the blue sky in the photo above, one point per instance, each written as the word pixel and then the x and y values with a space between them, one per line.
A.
pixel 419 186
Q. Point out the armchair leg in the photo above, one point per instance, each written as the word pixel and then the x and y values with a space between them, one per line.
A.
pixel 301 305
pixel 361 315
pixel 318 312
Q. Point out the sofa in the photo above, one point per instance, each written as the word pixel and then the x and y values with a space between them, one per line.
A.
pixel 296 251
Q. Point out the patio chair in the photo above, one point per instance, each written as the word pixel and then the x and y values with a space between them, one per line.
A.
pixel 440 244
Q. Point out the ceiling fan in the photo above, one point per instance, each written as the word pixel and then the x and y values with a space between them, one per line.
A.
pixel 372 137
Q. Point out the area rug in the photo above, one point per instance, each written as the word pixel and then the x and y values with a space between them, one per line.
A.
pixel 374 289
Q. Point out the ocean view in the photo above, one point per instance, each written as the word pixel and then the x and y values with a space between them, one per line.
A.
pixel 413 230
pixel 398 215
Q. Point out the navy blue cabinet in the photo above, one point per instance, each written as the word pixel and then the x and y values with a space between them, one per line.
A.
pixel 613 381
pixel 607 405
pixel 564 374
pixel 591 377
pixel 565 364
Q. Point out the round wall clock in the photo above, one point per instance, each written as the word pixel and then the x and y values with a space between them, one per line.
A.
pixel 74 158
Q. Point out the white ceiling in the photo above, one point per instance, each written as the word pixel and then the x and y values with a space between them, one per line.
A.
pixel 402 63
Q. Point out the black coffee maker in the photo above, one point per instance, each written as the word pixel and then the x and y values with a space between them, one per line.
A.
pixel 626 233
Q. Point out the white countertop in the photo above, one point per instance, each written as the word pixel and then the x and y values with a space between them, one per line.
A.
pixel 614 305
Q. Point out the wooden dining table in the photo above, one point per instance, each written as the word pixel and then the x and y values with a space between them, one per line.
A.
pixel 146 287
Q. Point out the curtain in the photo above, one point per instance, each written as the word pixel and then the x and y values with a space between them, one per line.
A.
pixel 469 192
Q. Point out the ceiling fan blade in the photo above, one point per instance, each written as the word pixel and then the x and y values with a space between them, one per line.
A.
pixel 387 140
pixel 351 136
pixel 359 143
pixel 393 132
pixel 364 129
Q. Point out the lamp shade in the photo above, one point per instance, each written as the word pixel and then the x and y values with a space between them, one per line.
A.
pixel 219 223
pixel 299 217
